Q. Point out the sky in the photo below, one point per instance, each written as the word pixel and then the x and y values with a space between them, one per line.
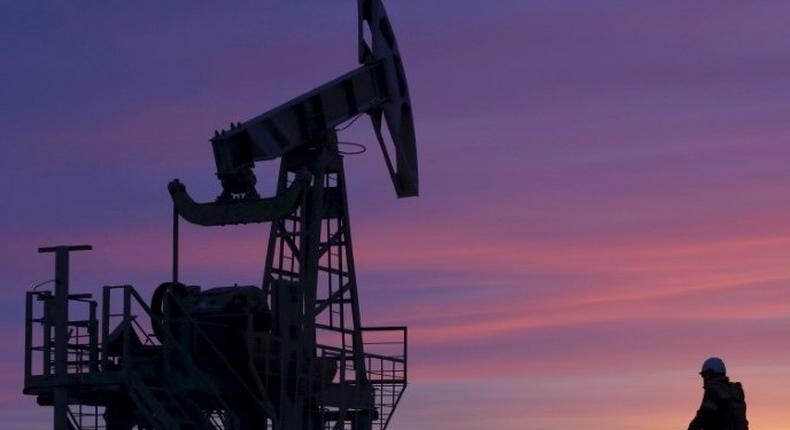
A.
pixel 603 189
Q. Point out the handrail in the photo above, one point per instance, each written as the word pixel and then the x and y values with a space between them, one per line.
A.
pixel 72 419
pixel 395 358
pixel 147 335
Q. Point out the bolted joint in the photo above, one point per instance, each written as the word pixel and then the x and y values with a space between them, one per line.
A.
pixel 238 185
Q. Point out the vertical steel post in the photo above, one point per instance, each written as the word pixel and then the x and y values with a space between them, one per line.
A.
pixel 356 317
pixel 105 324
pixel 60 317
pixel 127 326
pixel 61 314
pixel 93 336
pixel 28 335
pixel 405 353
pixel 175 243
pixel 46 336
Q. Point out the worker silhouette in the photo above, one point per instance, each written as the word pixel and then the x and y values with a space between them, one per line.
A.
pixel 723 405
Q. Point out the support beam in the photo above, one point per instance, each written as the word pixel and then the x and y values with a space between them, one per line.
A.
pixel 61 323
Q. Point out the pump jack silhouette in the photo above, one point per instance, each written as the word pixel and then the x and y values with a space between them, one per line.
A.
pixel 291 354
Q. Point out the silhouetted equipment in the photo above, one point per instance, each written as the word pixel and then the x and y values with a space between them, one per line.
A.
pixel 291 354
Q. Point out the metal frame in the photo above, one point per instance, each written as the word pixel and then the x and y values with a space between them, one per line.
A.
pixel 228 368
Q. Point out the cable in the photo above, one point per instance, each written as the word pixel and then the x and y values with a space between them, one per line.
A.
pixel 362 148
pixel 42 283
pixel 353 120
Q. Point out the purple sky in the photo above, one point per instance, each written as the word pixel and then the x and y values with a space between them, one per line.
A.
pixel 604 188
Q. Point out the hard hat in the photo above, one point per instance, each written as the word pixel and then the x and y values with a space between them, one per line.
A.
pixel 713 365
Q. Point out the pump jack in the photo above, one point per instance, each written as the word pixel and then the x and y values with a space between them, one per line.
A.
pixel 290 355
